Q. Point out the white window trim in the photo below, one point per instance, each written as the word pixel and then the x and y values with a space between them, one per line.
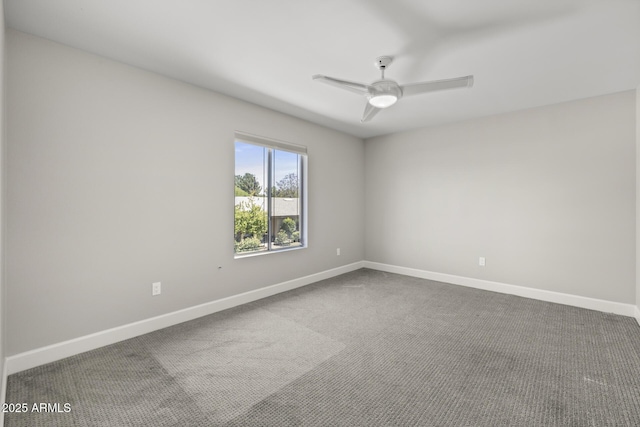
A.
pixel 293 148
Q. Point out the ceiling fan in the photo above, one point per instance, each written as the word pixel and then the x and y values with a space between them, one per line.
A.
pixel 384 93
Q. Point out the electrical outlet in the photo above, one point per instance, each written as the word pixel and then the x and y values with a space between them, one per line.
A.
pixel 338 251
pixel 482 262
pixel 156 288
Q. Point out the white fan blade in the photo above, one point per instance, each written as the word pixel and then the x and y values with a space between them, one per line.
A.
pixel 354 87
pixel 369 112
pixel 418 88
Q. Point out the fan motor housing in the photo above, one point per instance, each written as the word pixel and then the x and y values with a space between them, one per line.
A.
pixel 385 87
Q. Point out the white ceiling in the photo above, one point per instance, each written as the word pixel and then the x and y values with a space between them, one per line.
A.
pixel 523 53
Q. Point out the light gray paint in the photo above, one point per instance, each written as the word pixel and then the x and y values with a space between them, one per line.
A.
pixel 547 195
pixel 2 196
pixel 118 178
pixel 638 200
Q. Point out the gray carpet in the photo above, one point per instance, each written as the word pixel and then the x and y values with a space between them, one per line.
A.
pixel 363 349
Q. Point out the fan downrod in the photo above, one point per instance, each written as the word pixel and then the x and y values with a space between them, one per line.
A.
pixel 382 62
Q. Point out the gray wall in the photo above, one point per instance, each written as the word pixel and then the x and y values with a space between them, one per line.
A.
pixel 2 204
pixel 547 195
pixel 638 201
pixel 118 178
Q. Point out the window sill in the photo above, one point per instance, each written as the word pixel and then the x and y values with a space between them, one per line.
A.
pixel 266 252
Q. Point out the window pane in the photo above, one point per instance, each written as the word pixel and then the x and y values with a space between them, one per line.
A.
pixel 250 215
pixel 269 196
pixel 286 206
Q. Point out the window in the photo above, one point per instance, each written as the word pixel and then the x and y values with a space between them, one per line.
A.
pixel 269 211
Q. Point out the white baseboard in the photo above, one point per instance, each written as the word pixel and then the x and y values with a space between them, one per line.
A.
pixel 539 294
pixel 51 353
pixel 637 314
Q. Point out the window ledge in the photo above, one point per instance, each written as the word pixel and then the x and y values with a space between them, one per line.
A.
pixel 265 252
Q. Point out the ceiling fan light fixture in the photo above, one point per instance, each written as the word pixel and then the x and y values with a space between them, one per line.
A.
pixel 383 100
pixel 384 93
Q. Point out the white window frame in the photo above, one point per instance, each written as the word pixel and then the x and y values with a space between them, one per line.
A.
pixel 274 144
